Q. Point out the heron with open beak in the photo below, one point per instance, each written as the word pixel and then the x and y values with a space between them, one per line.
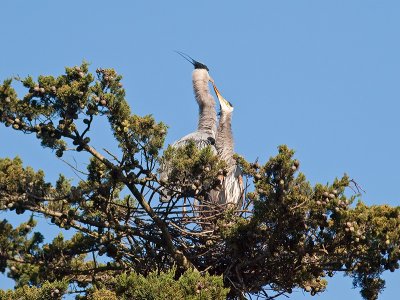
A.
pixel 205 133
pixel 232 190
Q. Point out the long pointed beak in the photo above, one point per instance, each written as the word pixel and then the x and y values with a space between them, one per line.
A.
pixel 220 98
pixel 216 90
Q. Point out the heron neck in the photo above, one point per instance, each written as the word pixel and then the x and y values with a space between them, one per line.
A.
pixel 224 138
pixel 207 119
pixel 207 112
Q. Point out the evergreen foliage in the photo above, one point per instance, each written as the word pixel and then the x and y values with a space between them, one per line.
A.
pixel 288 234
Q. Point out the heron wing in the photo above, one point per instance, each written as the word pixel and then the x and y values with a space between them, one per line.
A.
pixel 200 139
pixel 232 191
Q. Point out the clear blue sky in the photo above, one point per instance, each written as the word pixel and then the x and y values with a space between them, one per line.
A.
pixel 320 76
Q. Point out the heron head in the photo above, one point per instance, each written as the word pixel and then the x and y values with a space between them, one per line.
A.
pixel 195 63
pixel 226 106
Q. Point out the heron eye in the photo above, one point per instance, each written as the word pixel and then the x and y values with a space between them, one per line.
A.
pixel 211 140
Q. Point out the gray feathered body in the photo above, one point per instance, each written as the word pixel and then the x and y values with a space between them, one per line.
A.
pixel 201 140
pixel 205 134
pixel 232 189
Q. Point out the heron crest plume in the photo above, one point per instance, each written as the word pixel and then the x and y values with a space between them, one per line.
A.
pixel 195 63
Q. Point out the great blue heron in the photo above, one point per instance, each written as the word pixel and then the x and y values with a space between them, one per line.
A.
pixel 232 189
pixel 207 126
pixel 205 134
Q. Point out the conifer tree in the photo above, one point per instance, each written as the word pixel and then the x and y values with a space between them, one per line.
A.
pixel 129 245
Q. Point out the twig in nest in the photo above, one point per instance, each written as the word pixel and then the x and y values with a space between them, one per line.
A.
pixel 112 155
